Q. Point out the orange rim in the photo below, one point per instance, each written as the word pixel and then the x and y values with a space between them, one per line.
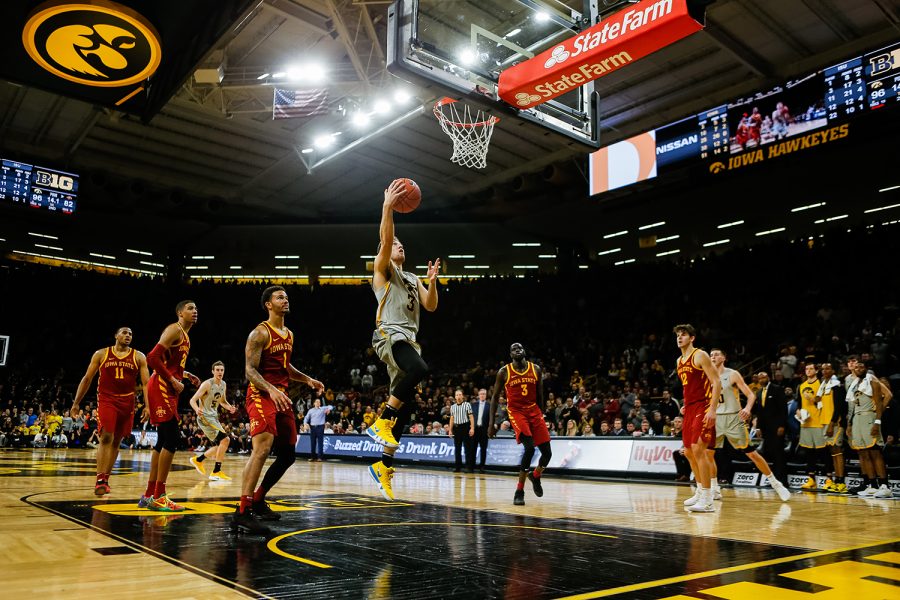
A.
pixel 445 101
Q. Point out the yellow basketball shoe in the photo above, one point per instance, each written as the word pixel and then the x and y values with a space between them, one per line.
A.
pixel 382 476
pixel 219 476
pixel 841 488
pixel 809 485
pixel 380 431
pixel 828 486
pixel 198 465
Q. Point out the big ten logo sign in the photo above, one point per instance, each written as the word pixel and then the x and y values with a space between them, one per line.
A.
pixel 623 163
pixel 880 64
pixel 56 181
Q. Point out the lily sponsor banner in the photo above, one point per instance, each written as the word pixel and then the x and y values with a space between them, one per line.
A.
pixel 624 37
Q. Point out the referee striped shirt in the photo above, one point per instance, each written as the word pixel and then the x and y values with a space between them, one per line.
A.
pixel 460 413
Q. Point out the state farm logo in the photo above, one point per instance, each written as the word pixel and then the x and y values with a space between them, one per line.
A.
pixel 523 99
pixel 558 56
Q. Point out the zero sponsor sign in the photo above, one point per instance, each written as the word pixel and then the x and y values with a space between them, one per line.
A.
pixel 623 38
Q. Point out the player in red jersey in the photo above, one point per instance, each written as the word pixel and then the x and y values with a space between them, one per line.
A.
pixel 701 384
pixel 272 421
pixel 524 390
pixel 167 359
pixel 119 367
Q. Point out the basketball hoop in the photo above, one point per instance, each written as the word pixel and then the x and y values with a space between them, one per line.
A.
pixel 469 129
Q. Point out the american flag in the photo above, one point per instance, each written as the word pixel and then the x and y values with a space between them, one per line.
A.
pixel 299 103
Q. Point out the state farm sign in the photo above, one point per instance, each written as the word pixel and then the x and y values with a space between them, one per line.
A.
pixel 623 38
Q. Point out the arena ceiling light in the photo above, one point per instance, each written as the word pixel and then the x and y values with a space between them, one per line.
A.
pixel 141 252
pixel 542 17
pixel 151 264
pixel 546 256
pixel 460 256
pixel 43 235
pixel 476 267
pixel 584 266
pixel 616 234
pixel 716 243
pixel 526 244
pixel 102 255
pixel 367 256
pixel 667 252
pixel 525 267
pixel 830 219
pixel 196 267
pixel 667 239
pixel 467 56
pixel 263 76
pixel 768 231
pixel 333 267
pixel 808 206
pixel 323 142
pixel 401 96
pixel 287 266
pixel 613 251
pixel 360 119
pixel 727 225
pixel 888 189
pixel 307 151
pixel 382 107
pixel 625 262
pixel 235 267
pixel 651 225
pixel 513 33
pixel 880 208
pixel 48 247
pixel 286 256
pixel 311 72
pixel 203 257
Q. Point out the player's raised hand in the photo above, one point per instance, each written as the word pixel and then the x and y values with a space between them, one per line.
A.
pixel 316 385
pixel 433 269
pixel 394 192
pixel 195 381
pixel 177 385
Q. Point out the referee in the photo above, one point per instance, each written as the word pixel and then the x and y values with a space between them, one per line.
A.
pixel 462 425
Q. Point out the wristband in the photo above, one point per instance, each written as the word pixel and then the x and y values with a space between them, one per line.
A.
pixel 877 421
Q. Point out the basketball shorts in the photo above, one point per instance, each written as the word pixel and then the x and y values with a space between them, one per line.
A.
pixel 266 418
pixel 860 435
pixel 730 425
pixel 115 414
pixel 695 430
pixel 162 400
pixel 836 438
pixel 812 437
pixel 382 341
pixel 530 422
pixel 210 426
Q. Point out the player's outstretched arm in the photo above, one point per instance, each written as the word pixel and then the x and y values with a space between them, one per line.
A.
pixel 144 374
pixel 85 383
pixel 738 380
pixel 297 375
pixel 257 340
pixel 224 403
pixel 195 399
pixel 428 297
pixel 386 233
pixel 498 383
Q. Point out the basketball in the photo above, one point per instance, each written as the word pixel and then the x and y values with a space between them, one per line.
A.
pixel 411 197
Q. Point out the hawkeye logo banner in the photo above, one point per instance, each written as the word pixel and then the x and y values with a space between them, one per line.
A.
pixel 623 38
pixel 98 44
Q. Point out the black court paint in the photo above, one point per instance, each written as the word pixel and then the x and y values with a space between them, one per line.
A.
pixel 346 546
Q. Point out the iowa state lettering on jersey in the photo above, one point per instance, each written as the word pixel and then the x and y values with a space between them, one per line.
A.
pixel 697 387
pixel 117 375
pixel 521 388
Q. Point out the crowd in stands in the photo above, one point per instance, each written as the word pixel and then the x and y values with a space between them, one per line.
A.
pixel 602 336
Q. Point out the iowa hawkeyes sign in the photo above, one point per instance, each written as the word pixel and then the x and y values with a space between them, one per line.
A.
pixel 130 55
pixel 102 44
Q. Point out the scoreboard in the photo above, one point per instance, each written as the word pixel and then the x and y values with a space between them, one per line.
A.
pixel 816 101
pixel 38 187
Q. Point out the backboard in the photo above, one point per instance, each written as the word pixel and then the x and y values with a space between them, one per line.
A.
pixel 458 48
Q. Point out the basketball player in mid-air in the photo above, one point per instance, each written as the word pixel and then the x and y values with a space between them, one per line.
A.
pixel 524 390
pixel 119 366
pixel 399 295
pixel 206 402
pixel 731 422
pixel 701 384
pixel 167 359
pixel 272 421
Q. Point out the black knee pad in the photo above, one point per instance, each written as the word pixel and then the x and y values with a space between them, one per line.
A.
pixel 285 454
pixel 528 454
pixel 749 449
pixel 546 453
pixel 167 436
pixel 220 436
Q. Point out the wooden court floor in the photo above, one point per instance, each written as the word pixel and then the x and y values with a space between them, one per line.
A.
pixel 447 536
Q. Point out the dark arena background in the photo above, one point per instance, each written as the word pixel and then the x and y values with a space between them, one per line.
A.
pixel 633 215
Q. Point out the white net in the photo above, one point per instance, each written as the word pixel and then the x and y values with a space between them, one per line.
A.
pixel 469 129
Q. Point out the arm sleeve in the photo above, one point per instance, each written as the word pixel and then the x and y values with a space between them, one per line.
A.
pixel 840 405
pixel 155 362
